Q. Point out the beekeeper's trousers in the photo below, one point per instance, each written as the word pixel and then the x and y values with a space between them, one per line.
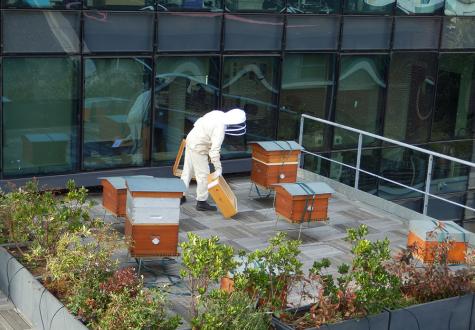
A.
pixel 197 164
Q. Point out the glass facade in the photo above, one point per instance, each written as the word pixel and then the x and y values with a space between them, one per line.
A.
pixel 104 84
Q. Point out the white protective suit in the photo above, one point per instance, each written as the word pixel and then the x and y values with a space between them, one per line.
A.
pixel 205 140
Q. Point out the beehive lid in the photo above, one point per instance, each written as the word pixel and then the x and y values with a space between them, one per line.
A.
pixel 278 145
pixel 313 188
pixel 155 185
pixel 441 230
pixel 118 182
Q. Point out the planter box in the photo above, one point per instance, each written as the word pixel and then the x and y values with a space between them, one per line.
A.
pixel 274 162
pixel 153 215
pixel 302 202
pixel 422 236
pixel 454 313
pixel 373 322
pixel 222 195
pixel 32 299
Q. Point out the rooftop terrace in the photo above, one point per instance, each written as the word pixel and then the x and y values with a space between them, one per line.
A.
pixel 256 222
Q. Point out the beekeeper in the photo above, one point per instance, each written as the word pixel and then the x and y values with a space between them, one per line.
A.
pixel 204 141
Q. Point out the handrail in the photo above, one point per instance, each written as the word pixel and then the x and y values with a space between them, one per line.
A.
pixel 357 168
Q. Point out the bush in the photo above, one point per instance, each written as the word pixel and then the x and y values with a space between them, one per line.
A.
pixel 231 311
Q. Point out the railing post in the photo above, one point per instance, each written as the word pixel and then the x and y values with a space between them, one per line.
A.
pixel 428 180
pixel 358 160
pixel 302 118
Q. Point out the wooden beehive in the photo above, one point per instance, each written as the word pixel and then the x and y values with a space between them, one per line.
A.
pixel 152 215
pixel 302 202
pixel 274 162
pixel 114 193
pixel 222 195
pixel 427 236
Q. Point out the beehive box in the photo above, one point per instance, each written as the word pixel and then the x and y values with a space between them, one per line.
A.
pixel 222 195
pixel 274 162
pixel 153 214
pixel 428 235
pixel 114 193
pixel 302 202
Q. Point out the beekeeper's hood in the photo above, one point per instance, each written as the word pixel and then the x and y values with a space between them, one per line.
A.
pixel 235 121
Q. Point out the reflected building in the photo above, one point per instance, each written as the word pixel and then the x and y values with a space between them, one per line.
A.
pixel 94 86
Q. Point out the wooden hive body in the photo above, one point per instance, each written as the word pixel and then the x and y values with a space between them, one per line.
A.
pixel 153 214
pixel 222 195
pixel 274 162
pixel 427 241
pixel 296 204
pixel 114 193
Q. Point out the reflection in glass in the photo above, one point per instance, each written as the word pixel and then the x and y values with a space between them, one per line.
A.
pixel 455 106
pixel 410 97
pixel 42 32
pixel 116 111
pixel 185 32
pixel 250 83
pixel 115 31
pixel 368 6
pixel 312 32
pixel 185 89
pixel 189 5
pixel 459 8
pixel 54 4
pixel 313 6
pixel 366 32
pixel 416 33
pixel 254 5
pixel 458 32
pixel 120 4
pixel 307 84
pixel 253 32
pixel 360 95
pixel 418 7
pixel 40 105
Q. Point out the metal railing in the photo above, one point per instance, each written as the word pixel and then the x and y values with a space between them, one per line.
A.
pixel 431 154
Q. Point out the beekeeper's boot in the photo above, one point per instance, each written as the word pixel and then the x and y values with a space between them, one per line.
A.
pixel 204 206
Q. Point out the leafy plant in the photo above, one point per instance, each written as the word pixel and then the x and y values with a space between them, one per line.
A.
pixel 268 274
pixel 231 311
pixel 205 261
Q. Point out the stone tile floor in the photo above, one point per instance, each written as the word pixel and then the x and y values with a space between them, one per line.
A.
pixel 255 223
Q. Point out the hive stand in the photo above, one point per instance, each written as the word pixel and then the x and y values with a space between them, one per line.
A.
pixel 152 216
pixel 273 162
pixel 302 202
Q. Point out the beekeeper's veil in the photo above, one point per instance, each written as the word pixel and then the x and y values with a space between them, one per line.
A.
pixel 235 121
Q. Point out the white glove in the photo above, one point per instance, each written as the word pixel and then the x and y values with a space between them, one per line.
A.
pixel 218 173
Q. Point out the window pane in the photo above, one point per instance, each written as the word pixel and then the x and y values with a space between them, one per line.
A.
pixel 56 4
pixel 250 83
pixel 180 32
pixel 40 105
pixel 458 32
pixel 366 32
pixel 368 6
pixel 459 8
pixel 360 96
pixel 455 97
pixel 254 5
pixel 416 33
pixel 189 5
pixel 43 32
pixel 308 33
pixel 310 7
pixel 121 4
pixel 106 31
pixel 307 84
pixel 410 96
pixel 185 89
pixel 116 111
pixel 253 32
pixel 417 7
